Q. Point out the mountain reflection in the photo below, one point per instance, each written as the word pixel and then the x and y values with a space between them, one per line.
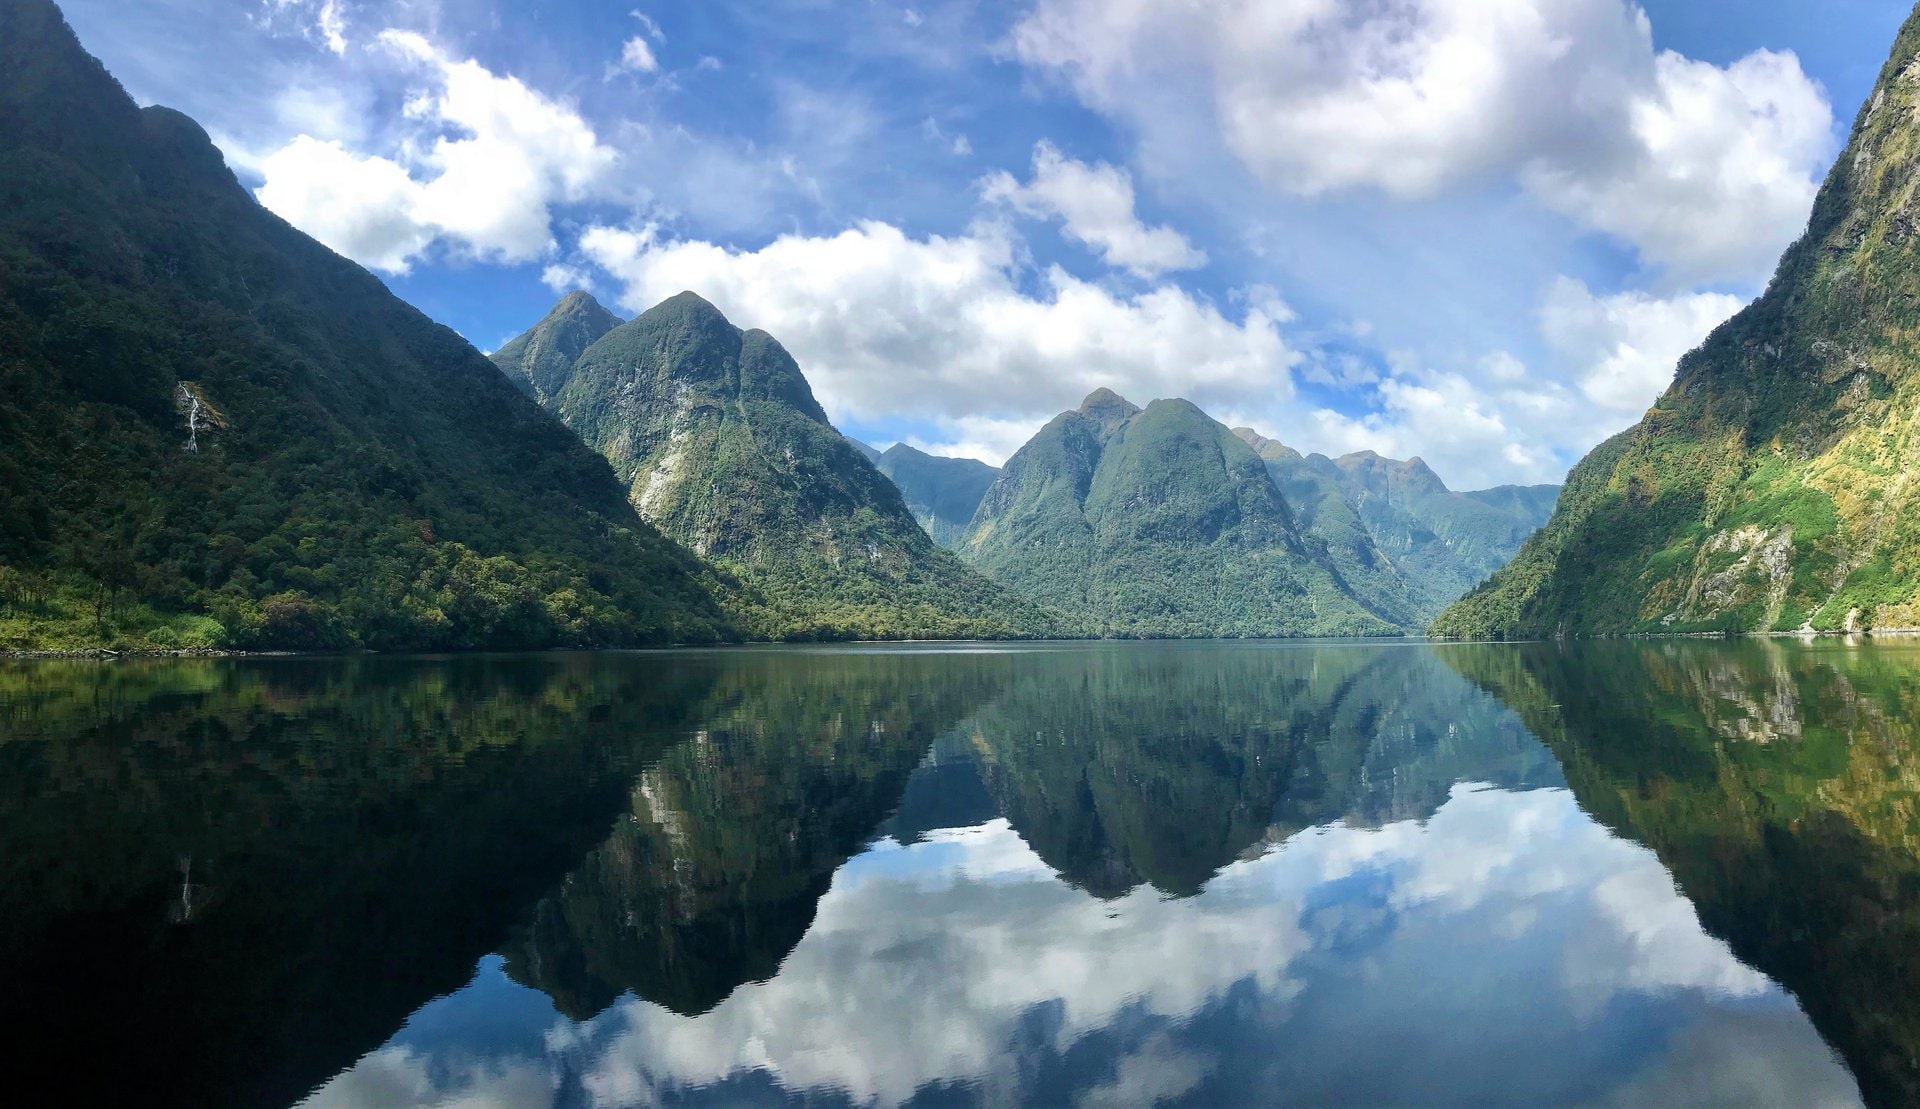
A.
pixel 1780 783
pixel 1335 873
pixel 713 873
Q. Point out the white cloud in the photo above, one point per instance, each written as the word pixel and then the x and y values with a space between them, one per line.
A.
pixel 1472 427
pixel 941 328
pixel 320 21
pixel 637 56
pixel 364 207
pixel 1707 171
pixel 652 28
pixel 484 162
pixel 563 277
pixel 1721 172
pixel 959 335
pixel 1623 348
pixel 1095 205
pixel 959 145
pixel 983 437
pixel 1497 419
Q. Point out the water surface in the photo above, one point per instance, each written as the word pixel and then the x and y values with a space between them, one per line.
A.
pixel 1112 873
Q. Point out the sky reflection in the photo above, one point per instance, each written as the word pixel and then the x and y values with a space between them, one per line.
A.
pixel 1507 950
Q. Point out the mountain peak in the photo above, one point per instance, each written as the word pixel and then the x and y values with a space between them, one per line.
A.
pixel 581 305
pixel 575 301
pixel 1103 398
pixel 1269 450
pixel 687 305
pixel 540 361
pixel 1108 409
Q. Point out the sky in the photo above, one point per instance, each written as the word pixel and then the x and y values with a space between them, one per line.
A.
pixel 1477 231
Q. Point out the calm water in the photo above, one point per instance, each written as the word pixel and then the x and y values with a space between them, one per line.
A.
pixel 1315 874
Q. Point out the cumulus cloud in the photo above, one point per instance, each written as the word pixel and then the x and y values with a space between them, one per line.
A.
pixel 483 161
pixel 563 277
pixel 362 206
pixel 982 437
pixel 1721 171
pixel 1498 419
pixel 959 334
pixel 1625 346
pixel 943 328
pixel 1708 171
pixel 1095 205
pixel 1473 425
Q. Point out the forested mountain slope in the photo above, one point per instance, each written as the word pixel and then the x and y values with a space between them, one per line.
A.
pixel 216 432
pixel 721 444
pixel 1773 484
pixel 1157 522
pixel 1395 531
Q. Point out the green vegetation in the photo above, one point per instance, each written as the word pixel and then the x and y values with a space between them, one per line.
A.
pixel 1773 486
pixel 721 444
pixel 942 493
pixel 541 360
pixel 1157 523
pixel 1393 530
pixel 214 432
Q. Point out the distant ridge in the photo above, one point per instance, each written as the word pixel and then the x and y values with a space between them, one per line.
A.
pixel 1157 522
pixel 942 493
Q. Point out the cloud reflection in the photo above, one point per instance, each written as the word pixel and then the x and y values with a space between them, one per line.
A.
pixel 1509 949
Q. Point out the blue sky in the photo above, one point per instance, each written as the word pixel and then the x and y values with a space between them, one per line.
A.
pixel 1480 231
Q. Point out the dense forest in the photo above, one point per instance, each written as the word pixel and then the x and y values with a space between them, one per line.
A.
pixel 216 433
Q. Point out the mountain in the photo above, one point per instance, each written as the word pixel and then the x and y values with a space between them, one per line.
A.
pixel 1157 522
pixel 1393 529
pixel 540 360
pixel 721 445
pixel 1772 485
pixel 942 493
pixel 216 432
pixel 1326 515
pixel 866 451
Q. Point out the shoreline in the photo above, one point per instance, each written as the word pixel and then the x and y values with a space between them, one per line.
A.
pixel 107 654
pixel 110 654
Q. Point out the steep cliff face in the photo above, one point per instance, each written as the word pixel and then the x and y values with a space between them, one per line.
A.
pixel 1773 485
pixel 1157 522
pixel 722 445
